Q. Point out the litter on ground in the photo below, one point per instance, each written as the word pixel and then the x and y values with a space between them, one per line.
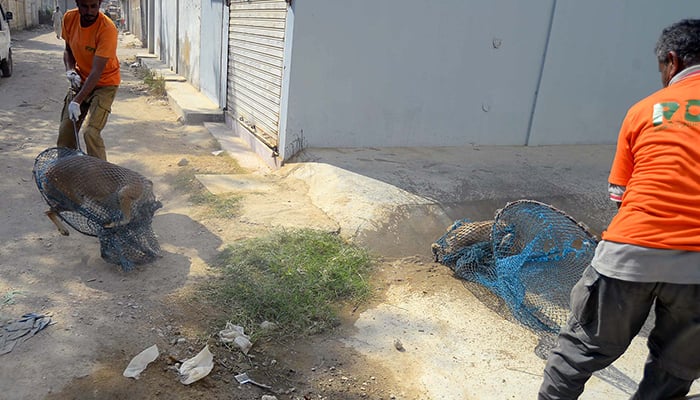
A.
pixel 13 333
pixel 140 362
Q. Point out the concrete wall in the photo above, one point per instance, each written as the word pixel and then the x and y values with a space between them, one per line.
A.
pixel 173 30
pixel 599 62
pixel 6 6
pixel 440 73
pixel 149 31
pixel 158 29
pixel 166 28
pixel 25 13
pixel 454 72
pixel 212 58
pixel 414 72
pixel 189 24
pixel 135 20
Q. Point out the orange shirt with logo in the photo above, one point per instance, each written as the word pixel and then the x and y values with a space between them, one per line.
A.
pixel 658 161
pixel 99 39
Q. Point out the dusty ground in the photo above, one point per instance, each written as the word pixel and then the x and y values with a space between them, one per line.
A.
pixel 456 346
pixel 103 317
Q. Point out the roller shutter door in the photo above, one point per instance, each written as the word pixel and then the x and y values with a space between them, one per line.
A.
pixel 255 65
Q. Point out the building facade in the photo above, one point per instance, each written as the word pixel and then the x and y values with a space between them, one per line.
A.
pixel 330 73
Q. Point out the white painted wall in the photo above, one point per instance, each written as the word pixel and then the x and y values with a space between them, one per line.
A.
pixel 166 31
pixel 378 73
pixel 158 36
pixel 426 73
pixel 414 72
pixel 187 37
pixel 189 45
pixel 600 61
pixel 25 13
pixel 211 57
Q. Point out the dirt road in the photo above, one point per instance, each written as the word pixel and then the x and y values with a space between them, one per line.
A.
pixel 456 347
pixel 103 316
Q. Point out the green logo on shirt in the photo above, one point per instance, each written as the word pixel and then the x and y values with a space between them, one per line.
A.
pixel 90 49
pixel 666 110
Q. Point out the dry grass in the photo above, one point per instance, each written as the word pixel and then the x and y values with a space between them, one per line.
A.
pixel 212 205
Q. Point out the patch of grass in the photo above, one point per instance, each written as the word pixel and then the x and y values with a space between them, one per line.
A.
pixel 156 85
pixel 294 278
pixel 217 206
pixel 155 82
pixel 184 180
pixel 9 297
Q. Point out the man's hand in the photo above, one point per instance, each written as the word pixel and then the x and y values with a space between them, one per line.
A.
pixel 74 111
pixel 74 79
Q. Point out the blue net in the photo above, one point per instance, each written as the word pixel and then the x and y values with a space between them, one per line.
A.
pixel 530 256
pixel 101 199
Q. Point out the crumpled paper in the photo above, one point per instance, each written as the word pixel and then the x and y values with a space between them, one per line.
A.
pixel 197 367
pixel 234 333
pixel 140 362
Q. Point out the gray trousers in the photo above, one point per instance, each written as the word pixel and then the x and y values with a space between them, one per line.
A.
pixel 606 314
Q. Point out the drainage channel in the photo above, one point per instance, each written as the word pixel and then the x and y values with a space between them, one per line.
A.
pixel 409 230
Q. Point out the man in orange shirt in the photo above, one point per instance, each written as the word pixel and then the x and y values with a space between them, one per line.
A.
pixel 650 253
pixel 92 68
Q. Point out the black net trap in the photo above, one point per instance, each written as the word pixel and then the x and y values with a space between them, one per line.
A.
pixel 530 256
pixel 101 199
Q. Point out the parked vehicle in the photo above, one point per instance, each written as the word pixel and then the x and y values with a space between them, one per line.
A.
pixel 5 43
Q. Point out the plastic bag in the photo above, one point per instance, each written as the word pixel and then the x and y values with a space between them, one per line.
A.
pixel 197 367
pixel 234 333
pixel 140 362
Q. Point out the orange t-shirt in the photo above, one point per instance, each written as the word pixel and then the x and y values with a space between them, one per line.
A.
pixel 99 39
pixel 658 160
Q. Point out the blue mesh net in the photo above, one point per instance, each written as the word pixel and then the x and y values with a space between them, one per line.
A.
pixel 91 194
pixel 530 256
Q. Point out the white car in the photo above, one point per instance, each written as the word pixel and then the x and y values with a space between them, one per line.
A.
pixel 5 42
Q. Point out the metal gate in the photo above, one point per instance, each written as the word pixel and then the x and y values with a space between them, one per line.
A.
pixel 255 66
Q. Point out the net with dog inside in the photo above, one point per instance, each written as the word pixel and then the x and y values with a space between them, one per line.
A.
pixel 101 199
pixel 530 256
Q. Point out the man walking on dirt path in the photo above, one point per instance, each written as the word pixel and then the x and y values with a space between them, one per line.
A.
pixel 57 22
pixel 92 68
pixel 650 253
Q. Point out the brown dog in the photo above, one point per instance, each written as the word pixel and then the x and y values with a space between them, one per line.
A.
pixel 89 182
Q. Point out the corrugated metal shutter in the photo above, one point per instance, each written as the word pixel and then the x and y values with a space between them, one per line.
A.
pixel 255 65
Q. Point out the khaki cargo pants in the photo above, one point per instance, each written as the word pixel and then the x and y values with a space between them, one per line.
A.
pixel 95 111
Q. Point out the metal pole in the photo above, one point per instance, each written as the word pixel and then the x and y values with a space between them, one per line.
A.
pixel 77 137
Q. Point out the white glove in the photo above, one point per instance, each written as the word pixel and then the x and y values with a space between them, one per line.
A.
pixel 74 79
pixel 74 110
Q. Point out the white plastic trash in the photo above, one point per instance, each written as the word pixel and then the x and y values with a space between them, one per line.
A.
pixel 234 333
pixel 140 362
pixel 197 367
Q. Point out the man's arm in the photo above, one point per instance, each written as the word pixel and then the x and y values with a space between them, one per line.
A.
pixel 98 65
pixel 68 59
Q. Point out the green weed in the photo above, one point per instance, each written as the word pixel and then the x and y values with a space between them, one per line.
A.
pixel 217 206
pixel 155 82
pixel 156 85
pixel 9 297
pixel 296 279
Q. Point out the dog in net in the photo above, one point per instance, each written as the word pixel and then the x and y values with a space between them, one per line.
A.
pixel 530 255
pixel 101 199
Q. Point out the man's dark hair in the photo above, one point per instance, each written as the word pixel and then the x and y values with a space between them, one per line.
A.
pixel 683 38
